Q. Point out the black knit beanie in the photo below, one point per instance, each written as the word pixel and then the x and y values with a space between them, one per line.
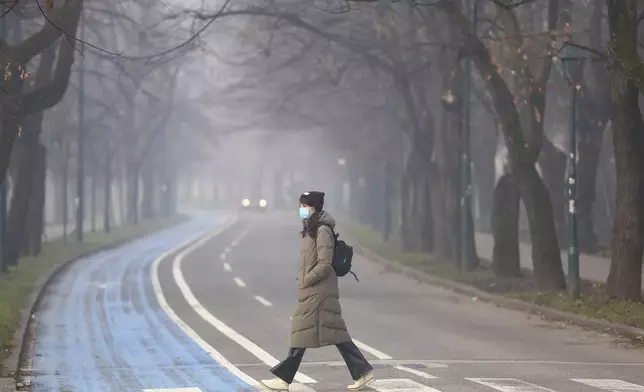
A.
pixel 314 199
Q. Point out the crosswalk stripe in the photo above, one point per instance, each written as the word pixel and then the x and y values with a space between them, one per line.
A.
pixel 400 385
pixel 612 385
pixel 509 385
pixel 415 371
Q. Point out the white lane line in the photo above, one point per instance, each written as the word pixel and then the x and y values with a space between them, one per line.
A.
pixel 400 385
pixel 222 256
pixel 251 347
pixel 163 303
pixel 509 385
pixel 227 267
pixel 376 353
pixel 173 390
pixel 263 301
pixel 233 244
pixel 380 355
pixel 227 250
pixel 239 282
pixel 415 371
pixel 612 385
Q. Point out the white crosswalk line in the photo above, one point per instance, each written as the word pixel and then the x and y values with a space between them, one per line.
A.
pixel 239 282
pixel 173 390
pixel 227 267
pixel 612 385
pixel 509 385
pixel 415 371
pixel 300 388
pixel 400 385
pixel 222 256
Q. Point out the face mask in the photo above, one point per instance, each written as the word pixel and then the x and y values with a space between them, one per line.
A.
pixel 305 212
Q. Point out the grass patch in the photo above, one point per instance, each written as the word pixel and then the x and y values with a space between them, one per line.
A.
pixel 17 284
pixel 593 301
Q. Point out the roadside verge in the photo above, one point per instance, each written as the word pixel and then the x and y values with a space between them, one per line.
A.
pixel 21 288
pixel 592 311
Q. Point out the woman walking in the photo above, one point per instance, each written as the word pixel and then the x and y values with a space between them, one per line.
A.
pixel 317 321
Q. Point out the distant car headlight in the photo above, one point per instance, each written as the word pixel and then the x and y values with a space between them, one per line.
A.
pixel 245 202
pixel 262 203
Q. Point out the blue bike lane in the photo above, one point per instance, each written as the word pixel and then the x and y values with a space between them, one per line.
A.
pixel 99 328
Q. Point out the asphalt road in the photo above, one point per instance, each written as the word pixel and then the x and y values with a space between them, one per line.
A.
pixel 238 290
pixel 214 315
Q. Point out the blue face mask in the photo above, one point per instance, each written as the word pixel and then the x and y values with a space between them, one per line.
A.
pixel 305 212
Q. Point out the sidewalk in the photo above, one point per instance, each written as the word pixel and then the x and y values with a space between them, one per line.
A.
pixel 592 268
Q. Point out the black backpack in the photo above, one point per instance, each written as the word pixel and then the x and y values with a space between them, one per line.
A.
pixel 342 256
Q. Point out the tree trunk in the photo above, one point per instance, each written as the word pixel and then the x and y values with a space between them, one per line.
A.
pixel 591 132
pixel 505 228
pixel 148 199
pixel 35 220
pixel 546 256
pixel 107 199
pixel 424 214
pixel 406 207
pixel 65 185
pixel 133 196
pixel 553 166
pixel 387 203
pixel 17 221
pixel 625 276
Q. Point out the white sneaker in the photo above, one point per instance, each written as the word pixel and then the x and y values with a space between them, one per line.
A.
pixel 275 384
pixel 362 382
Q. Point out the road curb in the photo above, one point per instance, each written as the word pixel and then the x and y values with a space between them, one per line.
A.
pixel 505 302
pixel 11 366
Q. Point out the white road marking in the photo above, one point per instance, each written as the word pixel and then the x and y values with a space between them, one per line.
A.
pixel 222 256
pixel 415 371
pixel 532 362
pixel 391 362
pixel 380 355
pixel 509 385
pixel 376 353
pixel 239 282
pixel 227 267
pixel 233 244
pixel 227 250
pixel 263 301
pixel 251 347
pixel 158 292
pixel 400 385
pixel 612 385
pixel 173 390
pixel 300 388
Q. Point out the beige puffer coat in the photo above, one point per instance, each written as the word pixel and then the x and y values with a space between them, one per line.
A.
pixel 318 321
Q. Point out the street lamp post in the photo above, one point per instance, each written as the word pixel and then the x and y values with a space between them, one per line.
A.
pixel 572 60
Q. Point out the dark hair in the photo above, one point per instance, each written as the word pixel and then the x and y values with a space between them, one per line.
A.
pixel 310 226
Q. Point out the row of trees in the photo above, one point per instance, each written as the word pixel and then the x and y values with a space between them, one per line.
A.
pixel 384 80
pixel 90 104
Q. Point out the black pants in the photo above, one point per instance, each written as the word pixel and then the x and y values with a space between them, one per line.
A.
pixel 356 362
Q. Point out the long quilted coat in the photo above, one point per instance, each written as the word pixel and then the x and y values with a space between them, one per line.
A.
pixel 318 321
